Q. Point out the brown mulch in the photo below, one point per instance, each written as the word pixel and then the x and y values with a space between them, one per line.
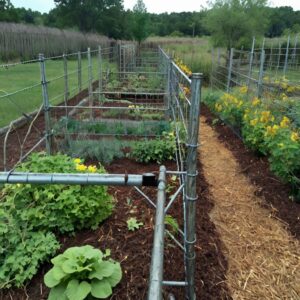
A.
pixel 275 194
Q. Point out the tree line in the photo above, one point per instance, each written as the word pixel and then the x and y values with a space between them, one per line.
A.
pixel 108 17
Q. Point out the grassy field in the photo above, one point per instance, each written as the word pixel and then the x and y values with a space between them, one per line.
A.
pixel 19 77
pixel 195 52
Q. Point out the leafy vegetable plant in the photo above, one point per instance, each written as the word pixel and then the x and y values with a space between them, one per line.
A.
pixel 157 150
pixel 133 224
pixel 81 272
pixel 57 207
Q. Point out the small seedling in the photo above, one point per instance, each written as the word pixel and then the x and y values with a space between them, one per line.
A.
pixel 172 184
pixel 172 223
pixel 133 224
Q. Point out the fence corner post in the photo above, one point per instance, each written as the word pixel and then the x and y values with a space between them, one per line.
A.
pixel 90 76
pixel 100 73
pixel 46 104
pixel 230 69
pixel 261 74
pixel 191 190
pixel 79 71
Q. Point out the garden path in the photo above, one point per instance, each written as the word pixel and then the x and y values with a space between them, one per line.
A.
pixel 263 258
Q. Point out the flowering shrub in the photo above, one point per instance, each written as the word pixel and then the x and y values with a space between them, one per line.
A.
pixel 266 127
pixel 184 68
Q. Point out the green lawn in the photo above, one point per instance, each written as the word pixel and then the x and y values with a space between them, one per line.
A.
pixel 18 77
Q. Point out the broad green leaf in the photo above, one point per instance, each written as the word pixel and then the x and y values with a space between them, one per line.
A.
pixel 58 273
pixel 116 276
pixel 49 279
pixel 58 293
pixel 59 259
pixel 69 266
pixel 93 253
pixel 78 291
pixel 101 289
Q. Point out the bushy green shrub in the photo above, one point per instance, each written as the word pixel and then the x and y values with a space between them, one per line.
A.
pixel 60 208
pixel 30 214
pixel 80 272
pixel 269 126
pixel 104 151
pixel 21 251
pixel 157 150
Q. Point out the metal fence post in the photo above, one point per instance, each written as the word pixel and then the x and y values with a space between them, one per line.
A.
pixel 157 261
pixel 251 63
pixel 279 57
pixel 191 191
pixel 286 56
pixel 261 74
pixel 66 79
pixel 230 69
pixel 294 55
pixel 79 71
pixel 219 57
pixel 46 104
pixel 90 77
pixel 100 72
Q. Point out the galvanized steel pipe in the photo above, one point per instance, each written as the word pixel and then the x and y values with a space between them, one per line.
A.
pixel 157 262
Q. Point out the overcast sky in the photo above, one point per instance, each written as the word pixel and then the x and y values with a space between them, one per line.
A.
pixel 155 6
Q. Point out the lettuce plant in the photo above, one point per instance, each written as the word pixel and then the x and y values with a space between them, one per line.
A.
pixel 81 272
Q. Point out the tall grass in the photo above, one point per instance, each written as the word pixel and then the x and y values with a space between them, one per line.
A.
pixel 195 52
pixel 20 41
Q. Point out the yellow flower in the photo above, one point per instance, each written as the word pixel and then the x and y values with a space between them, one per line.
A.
pixel 92 169
pixel 77 161
pixel 171 134
pixel 218 107
pixel 294 136
pixel 253 122
pixel 281 145
pixel 272 130
pixel 266 116
pixel 284 96
pixel 255 101
pixel 243 90
pixel 291 89
pixel 81 167
pixel 285 122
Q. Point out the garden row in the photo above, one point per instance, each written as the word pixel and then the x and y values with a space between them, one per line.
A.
pixel 269 126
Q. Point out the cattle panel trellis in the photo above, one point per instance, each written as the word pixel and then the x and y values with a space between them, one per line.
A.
pixel 117 86
pixel 272 70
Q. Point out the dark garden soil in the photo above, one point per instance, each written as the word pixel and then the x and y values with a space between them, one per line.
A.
pixel 276 195
pixel 133 249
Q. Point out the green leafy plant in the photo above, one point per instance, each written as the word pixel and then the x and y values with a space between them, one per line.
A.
pixel 81 272
pixel 59 208
pixel 104 151
pixel 21 251
pixel 158 150
pixel 171 184
pixel 172 223
pixel 133 224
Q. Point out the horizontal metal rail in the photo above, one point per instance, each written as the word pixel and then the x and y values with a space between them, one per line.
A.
pixel 148 179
